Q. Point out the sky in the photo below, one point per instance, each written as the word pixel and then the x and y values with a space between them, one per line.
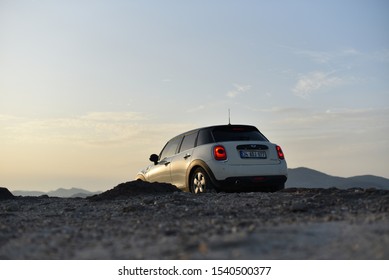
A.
pixel 89 89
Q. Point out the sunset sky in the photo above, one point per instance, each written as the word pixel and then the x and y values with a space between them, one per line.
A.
pixel 89 89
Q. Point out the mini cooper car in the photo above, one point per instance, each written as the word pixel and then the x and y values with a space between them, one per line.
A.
pixel 219 158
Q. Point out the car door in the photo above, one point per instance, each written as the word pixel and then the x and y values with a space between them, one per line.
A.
pixel 182 159
pixel 160 172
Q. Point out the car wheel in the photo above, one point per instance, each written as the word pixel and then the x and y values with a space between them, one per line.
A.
pixel 200 182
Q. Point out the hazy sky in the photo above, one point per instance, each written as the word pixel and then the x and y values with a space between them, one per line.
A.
pixel 89 89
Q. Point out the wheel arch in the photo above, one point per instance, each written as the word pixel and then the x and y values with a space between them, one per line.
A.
pixel 192 167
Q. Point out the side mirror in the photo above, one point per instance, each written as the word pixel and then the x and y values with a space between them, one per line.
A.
pixel 154 158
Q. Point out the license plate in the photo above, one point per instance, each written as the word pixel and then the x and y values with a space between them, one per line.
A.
pixel 252 154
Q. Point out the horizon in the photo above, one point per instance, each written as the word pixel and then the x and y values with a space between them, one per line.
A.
pixel 90 89
pixel 110 187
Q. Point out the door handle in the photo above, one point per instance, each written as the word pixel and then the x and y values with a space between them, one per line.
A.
pixel 186 156
pixel 166 163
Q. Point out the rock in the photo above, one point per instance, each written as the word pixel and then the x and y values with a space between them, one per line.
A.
pixel 5 194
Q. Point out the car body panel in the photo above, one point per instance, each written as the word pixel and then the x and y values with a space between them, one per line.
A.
pixel 179 166
pixel 159 172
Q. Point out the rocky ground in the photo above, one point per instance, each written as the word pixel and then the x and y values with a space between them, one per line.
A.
pixel 137 220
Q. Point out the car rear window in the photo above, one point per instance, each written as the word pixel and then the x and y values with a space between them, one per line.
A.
pixel 237 133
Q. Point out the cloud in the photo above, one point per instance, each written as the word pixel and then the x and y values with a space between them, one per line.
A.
pixel 314 81
pixel 343 57
pixel 113 116
pixel 92 128
pixel 381 56
pixel 350 52
pixel 285 110
pixel 317 56
pixel 95 129
pixel 196 109
pixel 8 118
pixel 336 120
pixel 328 57
pixel 238 89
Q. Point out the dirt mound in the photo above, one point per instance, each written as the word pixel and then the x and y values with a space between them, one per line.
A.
pixel 5 194
pixel 134 188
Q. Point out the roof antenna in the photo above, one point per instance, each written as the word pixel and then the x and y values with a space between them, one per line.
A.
pixel 229 116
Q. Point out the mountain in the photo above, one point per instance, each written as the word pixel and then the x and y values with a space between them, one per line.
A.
pixel 61 192
pixel 309 178
pixel 300 177
pixel 27 193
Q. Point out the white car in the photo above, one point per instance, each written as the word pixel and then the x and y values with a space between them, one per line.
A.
pixel 216 158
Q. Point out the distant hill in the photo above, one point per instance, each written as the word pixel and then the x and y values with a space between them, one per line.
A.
pixel 61 192
pixel 73 192
pixel 305 177
pixel 300 177
pixel 27 193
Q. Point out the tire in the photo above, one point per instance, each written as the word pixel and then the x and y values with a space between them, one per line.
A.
pixel 200 182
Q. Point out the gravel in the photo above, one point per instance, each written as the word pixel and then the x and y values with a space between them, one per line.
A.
pixel 137 220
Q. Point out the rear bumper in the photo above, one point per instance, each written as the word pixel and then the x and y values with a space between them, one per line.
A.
pixel 252 183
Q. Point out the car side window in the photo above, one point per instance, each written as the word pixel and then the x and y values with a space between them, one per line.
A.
pixel 188 142
pixel 170 148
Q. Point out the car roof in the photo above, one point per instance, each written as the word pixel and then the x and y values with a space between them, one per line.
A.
pixel 216 126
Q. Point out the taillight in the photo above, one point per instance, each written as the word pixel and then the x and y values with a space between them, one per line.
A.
pixel 219 152
pixel 280 153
